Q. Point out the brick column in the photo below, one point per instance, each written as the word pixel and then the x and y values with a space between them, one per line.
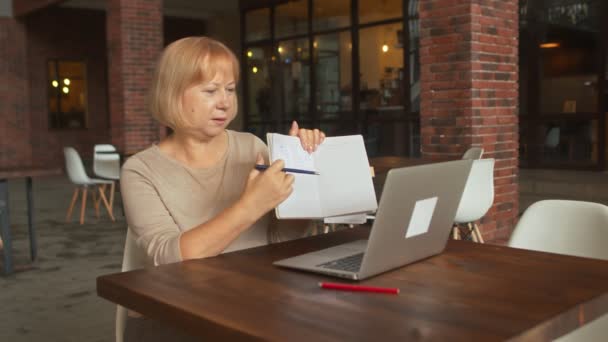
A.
pixel 15 117
pixel 135 40
pixel 23 7
pixel 469 81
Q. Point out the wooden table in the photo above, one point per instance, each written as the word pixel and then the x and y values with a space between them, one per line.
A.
pixel 472 292
pixel 27 172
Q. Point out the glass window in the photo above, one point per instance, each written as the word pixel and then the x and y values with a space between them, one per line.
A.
pixel 569 81
pixel 333 70
pixel 523 12
pixel 284 126
pixel 413 58
pixel 260 130
pixel 258 82
pixel 381 72
pixel 571 140
pixel 525 67
pixel 580 13
pixel 385 138
pixel 339 128
pixel 67 88
pixel 291 18
pixel 606 81
pixel 279 80
pixel 293 79
pixel 330 14
pixel 525 142
pixel 257 24
pixel 374 10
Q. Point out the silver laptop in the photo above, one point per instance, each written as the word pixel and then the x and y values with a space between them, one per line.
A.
pixel 413 221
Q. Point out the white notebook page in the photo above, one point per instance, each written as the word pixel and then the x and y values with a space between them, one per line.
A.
pixel 345 183
pixel 304 200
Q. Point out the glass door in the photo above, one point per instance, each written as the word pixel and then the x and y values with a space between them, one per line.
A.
pixel 561 52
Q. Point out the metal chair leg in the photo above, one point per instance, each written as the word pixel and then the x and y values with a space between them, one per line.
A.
pixel 30 218
pixel 5 231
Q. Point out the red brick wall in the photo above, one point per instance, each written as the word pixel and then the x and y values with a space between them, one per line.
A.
pixel 135 39
pixel 469 92
pixel 24 125
pixel 15 148
pixel 24 7
pixel 70 34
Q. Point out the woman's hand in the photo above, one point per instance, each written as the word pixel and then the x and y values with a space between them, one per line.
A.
pixel 310 138
pixel 267 189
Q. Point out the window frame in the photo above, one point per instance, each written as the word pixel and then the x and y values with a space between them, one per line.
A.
pixel 275 122
pixel 85 118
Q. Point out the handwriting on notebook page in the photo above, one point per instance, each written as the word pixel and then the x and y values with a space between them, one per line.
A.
pixel 293 155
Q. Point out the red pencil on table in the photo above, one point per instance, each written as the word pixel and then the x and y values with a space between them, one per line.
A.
pixel 360 288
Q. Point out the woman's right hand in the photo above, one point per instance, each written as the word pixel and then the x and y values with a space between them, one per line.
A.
pixel 267 189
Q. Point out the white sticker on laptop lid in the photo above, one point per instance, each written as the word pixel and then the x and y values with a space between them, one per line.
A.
pixel 421 217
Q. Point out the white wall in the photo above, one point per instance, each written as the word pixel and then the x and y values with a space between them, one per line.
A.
pixel 6 8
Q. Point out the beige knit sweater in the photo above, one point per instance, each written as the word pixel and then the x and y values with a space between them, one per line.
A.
pixel 164 198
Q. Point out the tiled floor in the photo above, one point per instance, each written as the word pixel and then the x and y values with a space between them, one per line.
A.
pixel 54 299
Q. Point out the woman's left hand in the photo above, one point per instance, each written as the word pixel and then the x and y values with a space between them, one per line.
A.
pixel 310 138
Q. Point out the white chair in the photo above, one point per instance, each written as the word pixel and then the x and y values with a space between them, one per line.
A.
pixel 132 259
pixel 78 176
pixel 473 153
pixel 106 165
pixel 477 199
pixel 552 138
pixel 567 227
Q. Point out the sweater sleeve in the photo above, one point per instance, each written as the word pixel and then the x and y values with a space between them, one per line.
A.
pixel 155 231
pixel 282 230
pixel 260 147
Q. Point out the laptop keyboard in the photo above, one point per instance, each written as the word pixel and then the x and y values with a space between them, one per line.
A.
pixel 350 263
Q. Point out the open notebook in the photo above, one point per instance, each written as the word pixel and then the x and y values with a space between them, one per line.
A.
pixel 344 184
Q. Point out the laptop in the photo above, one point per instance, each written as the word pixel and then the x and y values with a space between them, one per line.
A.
pixel 413 222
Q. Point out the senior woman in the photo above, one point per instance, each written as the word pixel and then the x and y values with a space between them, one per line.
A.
pixel 196 193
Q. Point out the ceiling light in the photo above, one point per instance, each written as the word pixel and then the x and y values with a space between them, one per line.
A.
pixel 550 45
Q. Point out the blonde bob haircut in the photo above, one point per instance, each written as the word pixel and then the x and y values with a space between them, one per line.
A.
pixel 183 63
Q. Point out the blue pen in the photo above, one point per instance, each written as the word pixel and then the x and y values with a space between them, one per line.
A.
pixel 286 169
